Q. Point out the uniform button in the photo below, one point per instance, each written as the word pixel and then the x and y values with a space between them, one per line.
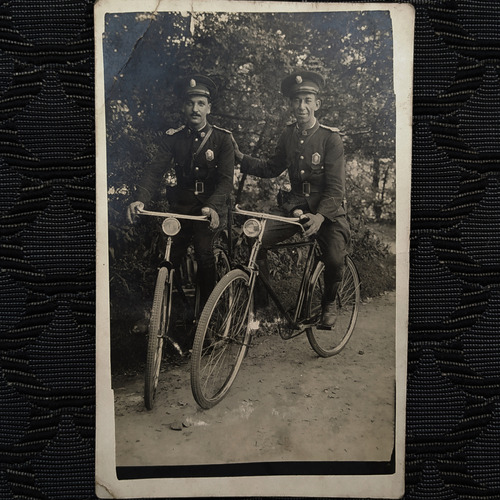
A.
pixel 302 171
pixel 301 157
pixel 202 135
pixel 304 132
pixel 196 140
pixel 322 167
pixel 197 168
pixel 302 141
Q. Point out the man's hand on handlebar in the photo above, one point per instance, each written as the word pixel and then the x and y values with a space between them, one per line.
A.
pixel 212 215
pixel 312 223
pixel 133 209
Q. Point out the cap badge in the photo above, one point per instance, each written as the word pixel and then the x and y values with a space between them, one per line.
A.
pixel 192 82
pixel 316 158
pixel 209 155
pixel 298 79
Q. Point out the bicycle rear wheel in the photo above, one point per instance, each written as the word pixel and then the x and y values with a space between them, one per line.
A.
pixel 222 264
pixel 327 342
pixel 158 327
pixel 221 339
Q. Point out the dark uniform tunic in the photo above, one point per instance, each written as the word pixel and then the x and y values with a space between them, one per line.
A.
pixel 315 162
pixel 204 166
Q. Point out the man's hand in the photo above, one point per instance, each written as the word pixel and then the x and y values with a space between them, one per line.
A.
pixel 133 209
pixel 313 223
pixel 237 153
pixel 212 215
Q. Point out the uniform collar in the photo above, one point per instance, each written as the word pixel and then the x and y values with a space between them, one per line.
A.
pixel 308 131
pixel 199 133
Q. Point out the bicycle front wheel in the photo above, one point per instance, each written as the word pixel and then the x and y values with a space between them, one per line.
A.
pixel 158 327
pixel 327 342
pixel 221 339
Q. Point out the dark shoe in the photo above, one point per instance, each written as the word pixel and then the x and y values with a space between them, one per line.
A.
pixel 329 316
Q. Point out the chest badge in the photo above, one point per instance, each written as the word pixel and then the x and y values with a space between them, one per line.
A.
pixel 316 159
pixel 209 155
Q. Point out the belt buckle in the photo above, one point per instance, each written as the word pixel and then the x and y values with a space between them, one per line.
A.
pixel 199 187
pixel 306 188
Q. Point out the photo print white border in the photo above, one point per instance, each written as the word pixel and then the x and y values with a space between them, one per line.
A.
pixel 294 485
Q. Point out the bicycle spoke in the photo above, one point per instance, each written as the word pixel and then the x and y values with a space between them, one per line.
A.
pixel 212 366
pixel 220 339
pixel 157 332
pixel 330 341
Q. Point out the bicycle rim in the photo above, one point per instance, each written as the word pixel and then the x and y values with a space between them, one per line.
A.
pixel 158 327
pixel 221 339
pixel 327 342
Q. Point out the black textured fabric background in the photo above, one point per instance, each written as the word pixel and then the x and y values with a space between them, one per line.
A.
pixel 47 279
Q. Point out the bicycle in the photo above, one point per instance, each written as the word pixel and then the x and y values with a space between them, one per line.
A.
pixel 223 334
pixel 161 311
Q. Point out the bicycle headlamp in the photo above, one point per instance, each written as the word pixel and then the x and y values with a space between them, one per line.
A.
pixel 171 226
pixel 252 228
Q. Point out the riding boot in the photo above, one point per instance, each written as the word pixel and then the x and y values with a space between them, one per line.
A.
pixel 261 297
pixel 206 277
pixel 329 314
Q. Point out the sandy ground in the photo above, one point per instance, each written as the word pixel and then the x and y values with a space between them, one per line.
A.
pixel 286 404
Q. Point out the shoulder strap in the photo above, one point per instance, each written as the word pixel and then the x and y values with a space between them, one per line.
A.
pixel 222 129
pixel 205 139
pixel 331 129
pixel 172 131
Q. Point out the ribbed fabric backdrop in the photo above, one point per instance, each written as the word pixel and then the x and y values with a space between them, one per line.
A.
pixel 47 277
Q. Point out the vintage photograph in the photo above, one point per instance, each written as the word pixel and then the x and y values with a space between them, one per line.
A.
pixel 253 192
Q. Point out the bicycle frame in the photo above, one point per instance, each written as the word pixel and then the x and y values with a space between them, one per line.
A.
pixel 252 268
pixel 224 331
pixel 168 247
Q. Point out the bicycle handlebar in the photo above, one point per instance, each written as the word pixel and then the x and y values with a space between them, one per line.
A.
pixel 141 211
pixel 260 215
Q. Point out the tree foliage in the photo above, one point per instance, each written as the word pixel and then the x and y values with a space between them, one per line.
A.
pixel 247 54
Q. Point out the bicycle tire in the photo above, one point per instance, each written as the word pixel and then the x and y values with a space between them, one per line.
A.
pixel 221 339
pixel 328 342
pixel 158 327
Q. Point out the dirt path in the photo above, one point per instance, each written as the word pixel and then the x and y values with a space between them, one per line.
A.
pixel 286 404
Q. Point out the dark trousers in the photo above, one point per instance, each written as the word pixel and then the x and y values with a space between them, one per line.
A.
pixel 333 238
pixel 202 237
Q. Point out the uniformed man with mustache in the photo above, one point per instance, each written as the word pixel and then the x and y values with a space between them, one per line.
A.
pixel 202 156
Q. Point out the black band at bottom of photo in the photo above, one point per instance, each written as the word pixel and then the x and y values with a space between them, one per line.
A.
pixel 258 469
